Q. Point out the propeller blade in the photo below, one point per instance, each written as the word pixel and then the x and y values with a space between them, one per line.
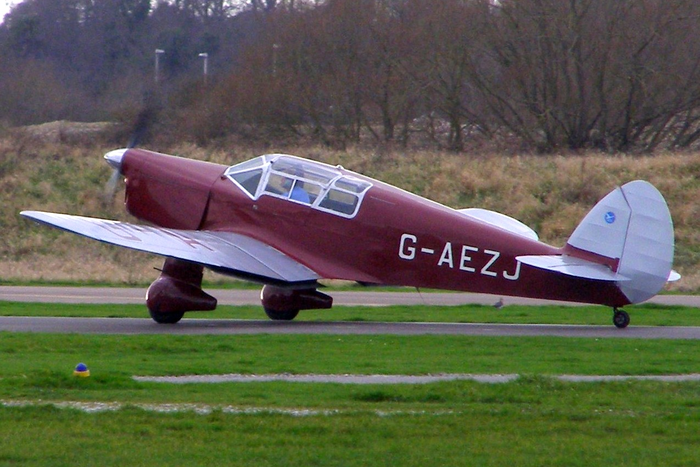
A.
pixel 111 187
pixel 144 122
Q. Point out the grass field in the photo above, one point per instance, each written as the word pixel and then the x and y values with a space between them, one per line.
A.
pixel 32 358
pixel 534 420
pixel 551 425
pixel 522 433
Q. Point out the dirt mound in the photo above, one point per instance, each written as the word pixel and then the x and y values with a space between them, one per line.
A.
pixel 63 130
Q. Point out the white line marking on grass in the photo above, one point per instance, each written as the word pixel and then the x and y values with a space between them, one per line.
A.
pixel 314 378
pixel 605 378
pixel 205 409
pixel 400 379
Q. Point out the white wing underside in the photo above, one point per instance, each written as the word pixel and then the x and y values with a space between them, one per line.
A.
pixel 225 252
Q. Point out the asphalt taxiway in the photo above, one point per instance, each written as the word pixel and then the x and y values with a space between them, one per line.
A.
pixel 252 297
pixel 241 297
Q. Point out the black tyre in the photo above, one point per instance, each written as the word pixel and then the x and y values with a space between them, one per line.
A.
pixel 276 315
pixel 166 318
pixel 621 319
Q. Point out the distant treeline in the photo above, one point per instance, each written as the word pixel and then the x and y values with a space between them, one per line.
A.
pixel 536 75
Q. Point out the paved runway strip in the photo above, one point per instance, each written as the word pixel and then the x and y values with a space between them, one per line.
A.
pixel 371 297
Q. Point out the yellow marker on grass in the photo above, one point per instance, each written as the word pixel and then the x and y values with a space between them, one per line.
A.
pixel 81 370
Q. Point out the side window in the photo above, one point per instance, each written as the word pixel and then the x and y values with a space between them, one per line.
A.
pixel 340 201
pixel 247 175
pixel 312 189
pixel 344 196
pixel 299 193
pixel 279 185
pixel 249 181
pixel 354 186
pixel 316 185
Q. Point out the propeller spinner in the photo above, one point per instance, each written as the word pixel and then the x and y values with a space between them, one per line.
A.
pixel 114 159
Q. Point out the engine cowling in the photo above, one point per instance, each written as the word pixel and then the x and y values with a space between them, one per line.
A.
pixel 168 191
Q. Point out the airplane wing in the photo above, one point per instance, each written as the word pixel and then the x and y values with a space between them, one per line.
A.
pixel 502 221
pixel 224 252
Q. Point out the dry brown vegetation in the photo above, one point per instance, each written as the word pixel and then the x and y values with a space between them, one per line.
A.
pixel 550 193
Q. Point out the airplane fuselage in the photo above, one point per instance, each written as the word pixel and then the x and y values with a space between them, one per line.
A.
pixel 394 238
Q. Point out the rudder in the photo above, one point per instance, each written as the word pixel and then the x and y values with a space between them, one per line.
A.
pixel 632 225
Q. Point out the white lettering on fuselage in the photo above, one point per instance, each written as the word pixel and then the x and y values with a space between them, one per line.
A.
pixel 446 257
pixel 467 255
pixel 407 252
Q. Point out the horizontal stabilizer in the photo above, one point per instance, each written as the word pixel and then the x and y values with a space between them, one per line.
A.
pixel 225 252
pixel 502 221
pixel 571 266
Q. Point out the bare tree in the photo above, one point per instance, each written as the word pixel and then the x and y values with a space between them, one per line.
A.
pixel 591 72
pixel 550 74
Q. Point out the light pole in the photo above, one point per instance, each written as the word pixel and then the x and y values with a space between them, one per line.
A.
pixel 159 52
pixel 205 56
pixel 275 47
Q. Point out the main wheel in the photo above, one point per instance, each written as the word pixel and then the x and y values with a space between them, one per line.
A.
pixel 276 315
pixel 621 319
pixel 166 318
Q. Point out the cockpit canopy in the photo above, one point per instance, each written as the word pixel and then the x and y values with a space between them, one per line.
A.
pixel 318 185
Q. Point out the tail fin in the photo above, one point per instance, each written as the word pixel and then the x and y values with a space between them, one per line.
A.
pixel 627 238
pixel 631 225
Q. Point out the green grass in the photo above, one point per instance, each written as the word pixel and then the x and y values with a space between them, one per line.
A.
pixel 40 365
pixel 648 314
pixel 531 421
pixel 476 438
pixel 508 433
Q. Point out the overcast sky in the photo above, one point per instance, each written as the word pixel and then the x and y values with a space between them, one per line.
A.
pixel 4 8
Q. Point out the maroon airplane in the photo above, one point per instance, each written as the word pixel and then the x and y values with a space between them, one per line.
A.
pixel 287 222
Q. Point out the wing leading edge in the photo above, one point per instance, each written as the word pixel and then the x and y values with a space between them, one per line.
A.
pixel 224 252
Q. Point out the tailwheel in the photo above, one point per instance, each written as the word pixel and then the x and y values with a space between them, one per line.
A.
pixel 621 319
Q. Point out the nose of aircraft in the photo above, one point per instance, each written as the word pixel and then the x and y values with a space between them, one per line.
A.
pixel 114 158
